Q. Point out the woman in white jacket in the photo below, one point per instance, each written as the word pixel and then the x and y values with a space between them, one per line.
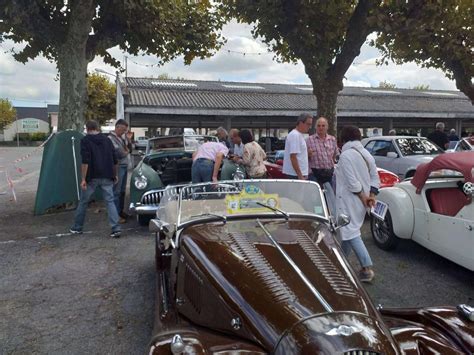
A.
pixel 357 183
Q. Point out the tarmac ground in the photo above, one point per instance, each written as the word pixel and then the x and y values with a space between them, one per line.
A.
pixel 73 294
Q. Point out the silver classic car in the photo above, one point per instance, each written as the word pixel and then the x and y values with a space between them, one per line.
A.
pixel 401 154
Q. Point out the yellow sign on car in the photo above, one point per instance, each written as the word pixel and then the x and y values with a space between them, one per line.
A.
pixel 251 201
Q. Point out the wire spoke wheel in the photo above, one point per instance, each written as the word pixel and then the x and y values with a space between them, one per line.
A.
pixel 382 232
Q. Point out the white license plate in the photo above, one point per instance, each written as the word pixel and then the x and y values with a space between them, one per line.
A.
pixel 379 210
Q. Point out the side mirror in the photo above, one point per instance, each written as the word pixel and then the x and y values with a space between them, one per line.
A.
pixel 157 226
pixel 342 220
pixel 392 155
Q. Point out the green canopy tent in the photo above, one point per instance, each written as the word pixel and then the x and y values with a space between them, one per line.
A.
pixel 60 172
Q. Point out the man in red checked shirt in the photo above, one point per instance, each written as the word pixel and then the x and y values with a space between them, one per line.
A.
pixel 322 152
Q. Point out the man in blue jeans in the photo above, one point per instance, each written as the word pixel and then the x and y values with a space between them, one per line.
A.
pixel 98 169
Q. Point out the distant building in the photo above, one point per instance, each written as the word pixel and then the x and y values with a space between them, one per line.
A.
pixel 29 120
pixel 53 112
pixel 154 103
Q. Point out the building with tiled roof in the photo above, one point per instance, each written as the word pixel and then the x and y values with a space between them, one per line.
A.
pixel 149 102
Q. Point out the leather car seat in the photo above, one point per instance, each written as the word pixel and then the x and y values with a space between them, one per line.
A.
pixel 446 201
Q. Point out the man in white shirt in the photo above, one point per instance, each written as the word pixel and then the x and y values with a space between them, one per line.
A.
pixel 295 160
pixel 237 146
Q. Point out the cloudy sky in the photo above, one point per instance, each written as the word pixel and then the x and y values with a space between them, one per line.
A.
pixel 34 84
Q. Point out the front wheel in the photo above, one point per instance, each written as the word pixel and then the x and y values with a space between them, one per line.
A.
pixel 382 232
pixel 144 220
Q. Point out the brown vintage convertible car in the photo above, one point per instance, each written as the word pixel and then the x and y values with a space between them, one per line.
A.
pixel 253 267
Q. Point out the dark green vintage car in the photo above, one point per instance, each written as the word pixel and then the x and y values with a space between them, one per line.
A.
pixel 166 167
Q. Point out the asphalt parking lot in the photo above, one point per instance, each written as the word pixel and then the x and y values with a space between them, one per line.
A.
pixel 70 294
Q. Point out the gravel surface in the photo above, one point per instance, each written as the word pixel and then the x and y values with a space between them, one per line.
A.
pixel 74 294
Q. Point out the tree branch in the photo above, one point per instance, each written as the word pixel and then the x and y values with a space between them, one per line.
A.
pixel 462 78
pixel 356 34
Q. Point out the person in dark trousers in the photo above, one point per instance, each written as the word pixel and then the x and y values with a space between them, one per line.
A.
pixel 98 169
pixel 439 137
pixel 118 139
pixel 322 152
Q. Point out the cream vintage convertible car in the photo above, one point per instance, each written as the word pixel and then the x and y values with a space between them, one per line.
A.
pixel 434 209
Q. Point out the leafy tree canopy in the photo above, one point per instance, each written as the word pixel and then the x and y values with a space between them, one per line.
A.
pixel 102 98
pixel 325 35
pixel 160 27
pixel 73 33
pixel 7 113
pixel 386 85
pixel 434 34
pixel 421 87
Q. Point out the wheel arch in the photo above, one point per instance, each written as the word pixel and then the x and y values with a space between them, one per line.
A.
pixel 410 172
pixel 401 210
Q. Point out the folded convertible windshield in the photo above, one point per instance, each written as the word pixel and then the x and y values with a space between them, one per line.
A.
pixel 245 198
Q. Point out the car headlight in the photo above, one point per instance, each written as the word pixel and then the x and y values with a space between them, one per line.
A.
pixel 141 182
pixel 239 175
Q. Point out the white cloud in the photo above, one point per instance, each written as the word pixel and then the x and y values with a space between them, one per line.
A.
pixel 35 80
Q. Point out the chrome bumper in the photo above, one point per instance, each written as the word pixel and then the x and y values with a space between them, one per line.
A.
pixel 151 199
pixel 138 208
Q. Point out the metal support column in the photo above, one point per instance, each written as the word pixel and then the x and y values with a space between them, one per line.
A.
pixel 228 123
pixel 387 125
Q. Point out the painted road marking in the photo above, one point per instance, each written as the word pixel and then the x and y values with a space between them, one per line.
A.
pixel 59 235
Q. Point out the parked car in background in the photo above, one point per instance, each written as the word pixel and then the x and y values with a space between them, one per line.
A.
pixel 254 267
pixel 179 131
pixel 167 161
pixel 275 143
pixel 434 209
pixel 401 154
pixel 274 166
pixel 465 144
pixel 141 143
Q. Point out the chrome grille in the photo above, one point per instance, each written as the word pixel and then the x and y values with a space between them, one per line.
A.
pixel 361 352
pixel 192 287
pixel 153 197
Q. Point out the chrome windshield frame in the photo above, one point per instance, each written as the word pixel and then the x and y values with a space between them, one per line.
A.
pixel 325 217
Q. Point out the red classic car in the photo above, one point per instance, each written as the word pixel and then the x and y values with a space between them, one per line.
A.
pixel 275 162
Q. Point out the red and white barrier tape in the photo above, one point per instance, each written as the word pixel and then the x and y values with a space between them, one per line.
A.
pixel 20 170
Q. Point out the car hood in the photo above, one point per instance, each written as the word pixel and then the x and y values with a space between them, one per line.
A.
pixel 274 288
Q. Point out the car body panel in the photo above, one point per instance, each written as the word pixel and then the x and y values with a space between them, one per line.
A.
pixel 266 283
pixel 141 143
pixel 439 213
pixel 400 206
pixel 167 161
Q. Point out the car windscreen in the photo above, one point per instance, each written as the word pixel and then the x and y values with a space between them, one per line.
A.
pixel 247 197
pixel 417 146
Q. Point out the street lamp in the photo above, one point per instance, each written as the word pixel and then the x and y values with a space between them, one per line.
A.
pixel 98 70
pixel 119 100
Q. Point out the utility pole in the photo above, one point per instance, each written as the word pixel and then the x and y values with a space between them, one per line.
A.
pixel 125 60
pixel 17 133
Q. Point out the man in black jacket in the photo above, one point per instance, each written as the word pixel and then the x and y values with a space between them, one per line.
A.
pixel 99 169
pixel 439 137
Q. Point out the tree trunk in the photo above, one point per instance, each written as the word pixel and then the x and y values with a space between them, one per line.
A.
pixel 326 94
pixel 72 63
pixel 72 90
